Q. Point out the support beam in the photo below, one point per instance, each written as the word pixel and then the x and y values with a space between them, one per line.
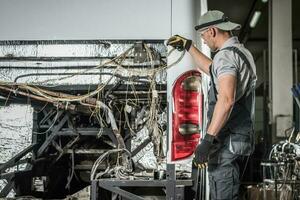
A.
pixel 171 181
pixel 53 134
pixel 5 191
pixel 16 158
pixel 280 30
pixel 140 147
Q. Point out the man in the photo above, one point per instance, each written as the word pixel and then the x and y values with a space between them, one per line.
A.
pixel 229 135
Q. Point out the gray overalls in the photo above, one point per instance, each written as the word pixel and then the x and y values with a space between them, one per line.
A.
pixel 235 140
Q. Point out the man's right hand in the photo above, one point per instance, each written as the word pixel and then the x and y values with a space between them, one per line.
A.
pixel 179 43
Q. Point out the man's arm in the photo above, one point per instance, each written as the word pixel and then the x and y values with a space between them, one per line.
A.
pixel 223 107
pixel 224 104
pixel 202 61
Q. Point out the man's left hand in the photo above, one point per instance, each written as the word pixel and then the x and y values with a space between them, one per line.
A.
pixel 202 151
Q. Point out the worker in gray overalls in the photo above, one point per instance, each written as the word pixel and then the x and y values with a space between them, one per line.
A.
pixel 230 133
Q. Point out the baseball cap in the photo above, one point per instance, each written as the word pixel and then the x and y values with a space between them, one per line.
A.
pixel 217 19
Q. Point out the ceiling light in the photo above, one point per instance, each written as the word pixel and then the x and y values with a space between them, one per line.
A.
pixel 255 19
pixel 264 1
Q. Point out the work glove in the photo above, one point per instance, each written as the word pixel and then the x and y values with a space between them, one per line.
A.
pixel 203 150
pixel 179 43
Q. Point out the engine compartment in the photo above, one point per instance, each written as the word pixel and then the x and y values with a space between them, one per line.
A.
pixel 99 111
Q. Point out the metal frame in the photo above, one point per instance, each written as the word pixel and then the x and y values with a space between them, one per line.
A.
pixel 8 187
pixel 58 130
pixel 174 188
pixel 60 123
pixel 275 180
pixel 14 160
pixel 10 176
pixel 48 120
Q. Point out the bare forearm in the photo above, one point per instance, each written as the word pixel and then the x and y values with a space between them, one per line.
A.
pixel 202 61
pixel 221 114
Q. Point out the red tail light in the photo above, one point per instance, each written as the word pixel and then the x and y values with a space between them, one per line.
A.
pixel 187 114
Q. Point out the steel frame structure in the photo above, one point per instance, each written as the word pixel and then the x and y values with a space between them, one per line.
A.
pixel 175 189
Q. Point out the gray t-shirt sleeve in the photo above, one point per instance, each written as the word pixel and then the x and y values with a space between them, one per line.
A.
pixel 224 64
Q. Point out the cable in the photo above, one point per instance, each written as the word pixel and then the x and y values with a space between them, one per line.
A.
pixel 44 93
pixel 128 74
pixel 70 177
pixel 39 92
pixel 135 78
pixel 51 126
pixel 101 159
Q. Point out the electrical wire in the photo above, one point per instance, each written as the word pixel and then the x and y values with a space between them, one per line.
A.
pixel 101 159
pixel 96 67
pixel 70 177
pixel 51 126
pixel 120 170
pixel 136 78
pixel 43 93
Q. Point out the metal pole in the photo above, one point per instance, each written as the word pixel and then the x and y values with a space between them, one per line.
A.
pixel 171 185
pixel 270 59
pixel 266 100
pixel 295 51
pixel 94 188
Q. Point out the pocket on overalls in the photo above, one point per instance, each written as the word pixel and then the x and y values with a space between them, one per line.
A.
pixel 222 184
pixel 241 143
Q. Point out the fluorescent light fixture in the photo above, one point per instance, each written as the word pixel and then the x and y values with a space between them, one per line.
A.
pixel 255 19
pixel 264 1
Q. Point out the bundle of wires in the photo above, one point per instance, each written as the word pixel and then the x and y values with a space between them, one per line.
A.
pixel 120 171
pixel 35 91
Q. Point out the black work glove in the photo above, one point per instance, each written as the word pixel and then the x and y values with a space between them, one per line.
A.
pixel 179 43
pixel 202 151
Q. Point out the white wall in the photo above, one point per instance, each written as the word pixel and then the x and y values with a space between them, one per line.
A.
pixel 88 19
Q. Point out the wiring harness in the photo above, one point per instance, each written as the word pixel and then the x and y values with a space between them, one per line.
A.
pixel 92 104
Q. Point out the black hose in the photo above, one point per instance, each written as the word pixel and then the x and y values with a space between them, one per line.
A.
pixel 69 67
pixel 133 78
pixel 55 58
pixel 106 44
pixel 53 68
pixel 51 42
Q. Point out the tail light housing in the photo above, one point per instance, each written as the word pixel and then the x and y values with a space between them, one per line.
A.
pixel 186 115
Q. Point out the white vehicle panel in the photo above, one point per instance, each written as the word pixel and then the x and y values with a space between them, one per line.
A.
pixel 83 20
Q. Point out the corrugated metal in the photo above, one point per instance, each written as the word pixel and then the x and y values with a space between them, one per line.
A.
pixel 43 57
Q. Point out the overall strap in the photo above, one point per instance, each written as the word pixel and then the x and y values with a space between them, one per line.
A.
pixel 241 55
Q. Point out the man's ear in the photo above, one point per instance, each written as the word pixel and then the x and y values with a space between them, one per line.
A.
pixel 214 31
